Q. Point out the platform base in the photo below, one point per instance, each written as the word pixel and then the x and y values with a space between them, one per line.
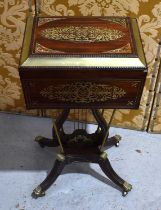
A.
pixel 98 157
pixel 80 147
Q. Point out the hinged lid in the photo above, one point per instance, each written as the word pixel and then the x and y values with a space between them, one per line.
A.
pixel 110 42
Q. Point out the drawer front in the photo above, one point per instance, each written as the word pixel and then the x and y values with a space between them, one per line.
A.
pixel 61 93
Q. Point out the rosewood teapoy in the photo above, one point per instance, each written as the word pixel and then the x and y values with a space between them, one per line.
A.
pixel 82 63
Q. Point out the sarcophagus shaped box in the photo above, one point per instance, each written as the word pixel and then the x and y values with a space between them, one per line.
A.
pixel 85 62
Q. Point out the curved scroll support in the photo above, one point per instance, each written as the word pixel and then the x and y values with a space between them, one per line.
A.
pixel 100 120
pixel 59 125
pixel 112 175
pixel 60 120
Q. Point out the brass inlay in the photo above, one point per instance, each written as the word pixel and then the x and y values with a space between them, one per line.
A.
pixel 43 20
pixel 82 33
pixel 120 21
pixel 124 49
pixel 80 138
pixel 41 49
pixel 130 103
pixel 58 137
pixel 82 92
pixel 135 84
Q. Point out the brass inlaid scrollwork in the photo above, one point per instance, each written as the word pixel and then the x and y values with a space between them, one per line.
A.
pixel 82 92
pixel 135 84
pixel 82 33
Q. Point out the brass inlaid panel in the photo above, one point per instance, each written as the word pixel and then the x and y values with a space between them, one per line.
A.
pixel 84 36
pixel 82 92
pixel 82 33
pixel 58 93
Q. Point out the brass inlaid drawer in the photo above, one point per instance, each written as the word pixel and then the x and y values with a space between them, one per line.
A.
pixel 115 93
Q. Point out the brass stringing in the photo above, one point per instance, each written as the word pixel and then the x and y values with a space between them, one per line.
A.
pixel 41 49
pixel 44 20
pixel 124 49
pixel 81 33
pixel 82 92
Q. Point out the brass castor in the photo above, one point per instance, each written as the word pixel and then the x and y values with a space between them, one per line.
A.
pixel 117 144
pixel 118 139
pixel 124 193
pixel 38 139
pixel 38 192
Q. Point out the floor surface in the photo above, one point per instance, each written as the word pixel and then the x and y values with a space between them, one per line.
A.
pixel 82 186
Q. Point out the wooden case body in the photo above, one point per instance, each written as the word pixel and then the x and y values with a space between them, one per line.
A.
pixel 82 62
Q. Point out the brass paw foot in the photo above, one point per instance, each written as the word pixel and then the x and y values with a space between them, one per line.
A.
pixel 127 188
pixel 38 192
pixel 117 140
pixel 39 139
